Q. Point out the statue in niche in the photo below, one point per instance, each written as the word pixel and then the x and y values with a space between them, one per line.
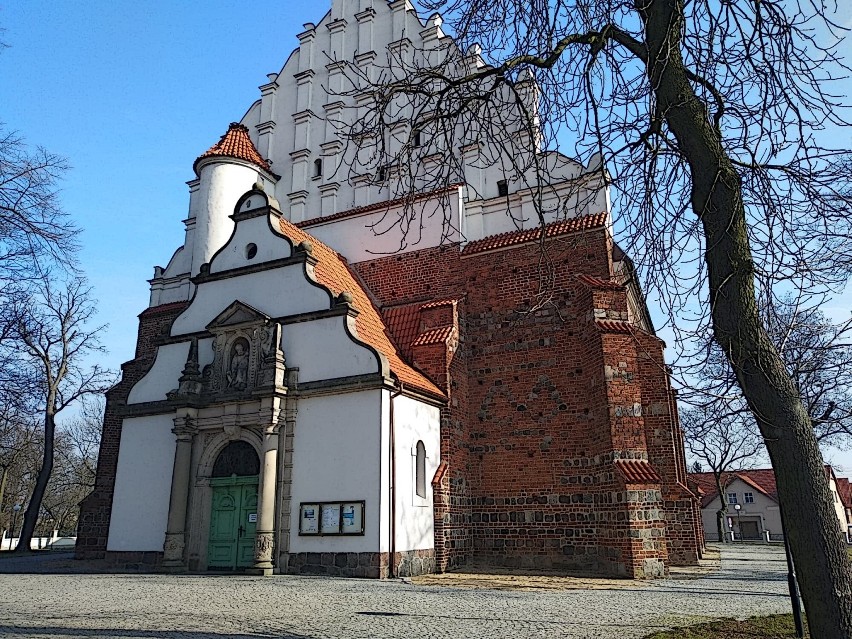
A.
pixel 267 341
pixel 237 375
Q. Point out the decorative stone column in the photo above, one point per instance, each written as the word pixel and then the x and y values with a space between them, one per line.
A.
pixel 175 543
pixel 285 476
pixel 265 534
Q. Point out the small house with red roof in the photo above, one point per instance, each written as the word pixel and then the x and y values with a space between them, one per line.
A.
pixel 758 517
pixel 336 375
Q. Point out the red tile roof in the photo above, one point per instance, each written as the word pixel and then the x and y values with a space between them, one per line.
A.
pixel 436 303
pixel 614 326
pixel 439 474
pixel 378 206
pixel 163 308
pixel 235 144
pixel 762 480
pixel 333 272
pixel 553 229
pixel 844 490
pixel 433 336
pixel 637 471
pixel 599 282
pixel 403 322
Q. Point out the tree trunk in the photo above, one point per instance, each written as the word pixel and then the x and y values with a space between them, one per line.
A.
pixel 723 508
pixel 824 571
pixel 33 508
pixel 3 480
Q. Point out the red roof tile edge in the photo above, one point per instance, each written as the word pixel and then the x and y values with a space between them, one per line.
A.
pixel 436 303
pixel 433 336
pixel 163 308
pixel 761 479
pixel 614 326
pixel 637 471
pixel 554 229
pixel 439 474
pixel 333 272
pixel 369 208
pixel 599 282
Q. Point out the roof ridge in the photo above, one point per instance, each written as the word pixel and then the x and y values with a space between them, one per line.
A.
pixel 551 230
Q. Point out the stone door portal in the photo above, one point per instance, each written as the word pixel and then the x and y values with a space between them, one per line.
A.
pixel 233 519
pixel 233 508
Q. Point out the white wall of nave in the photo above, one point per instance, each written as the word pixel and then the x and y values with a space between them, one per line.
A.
pixel 140 505
pixel 337 457
pixel 415 421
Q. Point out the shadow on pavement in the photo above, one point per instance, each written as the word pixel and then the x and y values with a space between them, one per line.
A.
pixel 555 622
pixel 56 631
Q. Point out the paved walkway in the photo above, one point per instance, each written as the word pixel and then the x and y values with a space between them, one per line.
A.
pixel 71 603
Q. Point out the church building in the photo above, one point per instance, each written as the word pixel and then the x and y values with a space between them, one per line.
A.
pixel 317 388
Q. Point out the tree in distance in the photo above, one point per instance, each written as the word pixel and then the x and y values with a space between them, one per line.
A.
pixel 53 325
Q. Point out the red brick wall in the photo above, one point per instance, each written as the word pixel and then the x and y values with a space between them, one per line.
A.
pixel 95 509
pixel 550 401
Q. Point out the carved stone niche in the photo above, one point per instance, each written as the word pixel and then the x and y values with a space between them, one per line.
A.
pixel 247 353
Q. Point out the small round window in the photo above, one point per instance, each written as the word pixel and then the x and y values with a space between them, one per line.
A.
pixel 251 251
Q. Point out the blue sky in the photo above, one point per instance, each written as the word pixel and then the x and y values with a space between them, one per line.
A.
pixel 131 93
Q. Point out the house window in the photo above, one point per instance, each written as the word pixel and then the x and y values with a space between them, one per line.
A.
pixel 318 168
pixel 502 188
pixel 748 498
pixel 382 174
pixel 732 498
pixel 420 471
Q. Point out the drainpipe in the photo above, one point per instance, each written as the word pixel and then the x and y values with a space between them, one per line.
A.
pixel 391 559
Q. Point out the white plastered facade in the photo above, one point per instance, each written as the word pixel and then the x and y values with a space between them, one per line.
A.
pixel 325 410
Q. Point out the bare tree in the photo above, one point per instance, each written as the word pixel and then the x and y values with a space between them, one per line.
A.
pixel 18 444
pixel 72 479
pixel 818 355
pixel 34 230
pixel 702 116
pixel 725 441
pixel 84 436
pixel 54 327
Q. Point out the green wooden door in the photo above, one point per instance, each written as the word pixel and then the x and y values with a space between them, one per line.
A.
pixel 233 516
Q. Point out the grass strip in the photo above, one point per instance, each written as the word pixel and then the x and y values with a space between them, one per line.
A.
pixel 771 627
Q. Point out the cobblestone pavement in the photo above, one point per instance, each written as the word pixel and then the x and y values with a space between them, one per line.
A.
pixel 71 603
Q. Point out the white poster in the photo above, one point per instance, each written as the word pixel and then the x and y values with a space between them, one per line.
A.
pixel 353 516
pixel 309 522
pixel 330 519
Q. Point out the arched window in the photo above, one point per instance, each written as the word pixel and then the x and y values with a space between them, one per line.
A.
pixel 318 168
pixel 237 458
pixel 417 138
pixel 420 471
